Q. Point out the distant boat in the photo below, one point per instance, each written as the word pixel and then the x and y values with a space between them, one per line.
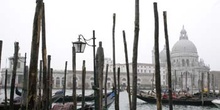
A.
pixel 216 102
pixel 196 101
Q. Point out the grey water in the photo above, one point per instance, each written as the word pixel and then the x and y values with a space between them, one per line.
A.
pixel 124 104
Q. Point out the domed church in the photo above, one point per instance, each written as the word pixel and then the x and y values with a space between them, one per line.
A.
pixel 187 70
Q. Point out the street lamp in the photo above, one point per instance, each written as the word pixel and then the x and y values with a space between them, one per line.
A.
pixel 80 47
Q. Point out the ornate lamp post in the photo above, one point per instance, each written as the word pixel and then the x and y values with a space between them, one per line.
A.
pixel 80 47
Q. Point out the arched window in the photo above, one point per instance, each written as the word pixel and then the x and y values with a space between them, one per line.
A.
pixel 187 62
pixel 183 62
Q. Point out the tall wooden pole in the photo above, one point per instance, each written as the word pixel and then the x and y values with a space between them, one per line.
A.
pixel 186 88
pixel 168 60
pixel 100 66
pixel 74 77
pixel 6 78
pixel 94 69
pixel 44 59
pixel 50 87
pixel 135 56
pixel 48 82
pixel 83 84
pixel 114 71
pixel 64 83
pixel 157 62
pixel 14 71
pixel 34 56
pixel 118 85
pixel 106 79
pixel 0 52
pixel 127 69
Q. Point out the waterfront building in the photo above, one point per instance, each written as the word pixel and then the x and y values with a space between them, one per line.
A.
pixel 187 70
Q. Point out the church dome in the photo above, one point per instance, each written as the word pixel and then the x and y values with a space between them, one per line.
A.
pixel 184 46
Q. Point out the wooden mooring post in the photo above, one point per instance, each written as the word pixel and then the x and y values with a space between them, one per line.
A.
pixel 83 84
pixel 135 56
pixel 168 60
pixel 106 79
pixel 127 69
pixel 157 62
pixel 118 89
pixel 48 82
pixel 74 77
pixel 14 71
pixel 0 52
pixel 6 78
pixel 64 83
pixel 44 59
pixel 32 92
pixel 114 71
pixel 100 67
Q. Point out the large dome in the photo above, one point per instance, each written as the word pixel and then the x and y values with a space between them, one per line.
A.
pixel 184 46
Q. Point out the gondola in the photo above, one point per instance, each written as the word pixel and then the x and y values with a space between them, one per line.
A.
pixel 58 98
pixel 88 106
pixel 179 101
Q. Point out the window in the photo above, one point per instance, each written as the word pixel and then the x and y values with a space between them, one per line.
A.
pixel 187 62
pixel 183 62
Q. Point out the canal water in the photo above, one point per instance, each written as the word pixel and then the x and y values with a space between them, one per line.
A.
pixel 124 104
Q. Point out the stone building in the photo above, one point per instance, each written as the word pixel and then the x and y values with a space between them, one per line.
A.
pixel 187 70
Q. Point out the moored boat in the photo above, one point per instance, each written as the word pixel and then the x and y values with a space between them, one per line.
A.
pixel 184 100
pixel 216 102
